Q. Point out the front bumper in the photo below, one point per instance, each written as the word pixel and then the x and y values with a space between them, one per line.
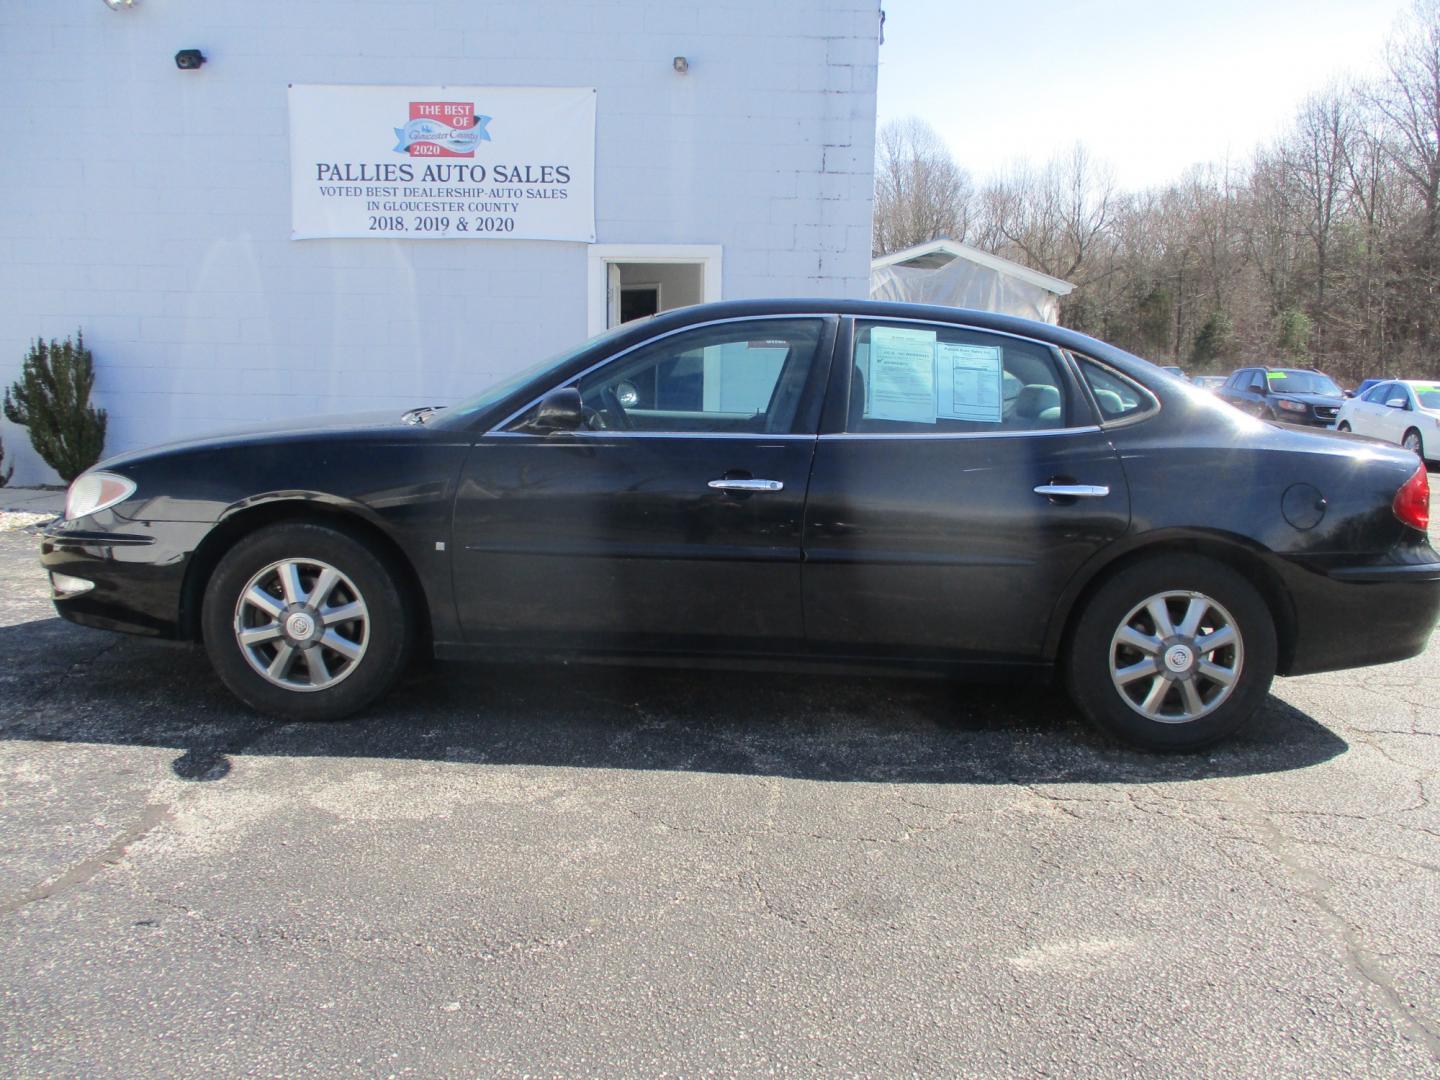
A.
pixel 138 572
pixel 1306 420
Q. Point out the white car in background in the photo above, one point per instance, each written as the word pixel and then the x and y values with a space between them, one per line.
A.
pixel 1404 411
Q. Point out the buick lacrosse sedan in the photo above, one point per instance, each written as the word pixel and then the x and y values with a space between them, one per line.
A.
pixel 807 482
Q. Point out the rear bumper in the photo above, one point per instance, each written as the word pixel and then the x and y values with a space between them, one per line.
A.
pixel 1359 615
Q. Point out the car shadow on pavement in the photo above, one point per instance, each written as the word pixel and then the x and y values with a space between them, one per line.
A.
pixel 68 684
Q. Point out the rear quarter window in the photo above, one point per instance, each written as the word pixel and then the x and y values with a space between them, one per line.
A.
pixel 1117 397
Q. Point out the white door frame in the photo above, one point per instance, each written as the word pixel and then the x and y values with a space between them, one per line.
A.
pixel 603 256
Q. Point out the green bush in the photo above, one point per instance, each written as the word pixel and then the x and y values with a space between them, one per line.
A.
pixel 52 399
pixel 1292 334
pixel 1213 341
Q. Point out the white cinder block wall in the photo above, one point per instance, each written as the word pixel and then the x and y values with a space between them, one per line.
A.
pixel 151 206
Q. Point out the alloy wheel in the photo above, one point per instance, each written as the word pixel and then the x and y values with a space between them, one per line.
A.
pixel 302 624
pixel 1177 656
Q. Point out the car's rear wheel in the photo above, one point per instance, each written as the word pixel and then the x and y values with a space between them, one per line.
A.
pixel 1344 426
pixel 305 622
pixel 1172 653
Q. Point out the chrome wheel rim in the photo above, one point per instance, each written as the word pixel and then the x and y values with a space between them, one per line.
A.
pixel 1176 657
pixel 1412 443
pixel 302 625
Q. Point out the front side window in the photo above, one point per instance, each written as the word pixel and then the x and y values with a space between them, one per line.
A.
pixel 939 380
pixel 1377 394
pixel 741 377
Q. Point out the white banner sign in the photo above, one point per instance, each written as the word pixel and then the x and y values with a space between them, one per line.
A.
pixel 443 162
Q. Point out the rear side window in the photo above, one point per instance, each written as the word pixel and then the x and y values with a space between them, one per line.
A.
pixel 1117 397
pixel 941 379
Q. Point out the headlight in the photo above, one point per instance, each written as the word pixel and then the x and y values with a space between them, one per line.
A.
pixel 96 491
pixel 1293 406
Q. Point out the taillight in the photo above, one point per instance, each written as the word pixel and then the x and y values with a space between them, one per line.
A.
pixel 1412 501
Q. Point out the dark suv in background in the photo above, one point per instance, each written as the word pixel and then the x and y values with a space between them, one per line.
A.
pixel 1290 395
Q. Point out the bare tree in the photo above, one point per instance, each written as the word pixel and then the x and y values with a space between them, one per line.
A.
pixel 921 194
pixel 1409 97
pixel 1054 217
pixel 1315 157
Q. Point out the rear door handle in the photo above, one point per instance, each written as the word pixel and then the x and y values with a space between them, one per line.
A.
pixel 747 485
pixel 1073 491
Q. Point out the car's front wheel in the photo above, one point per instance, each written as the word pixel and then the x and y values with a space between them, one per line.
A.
pixel 1414 443
pixel 1172 653
pixel 305 622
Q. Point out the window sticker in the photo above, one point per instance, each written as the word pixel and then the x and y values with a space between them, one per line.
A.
pixel 969 383
pixel 1275 375
pixel 902 375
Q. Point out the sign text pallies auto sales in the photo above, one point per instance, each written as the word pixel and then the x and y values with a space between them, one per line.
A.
pixel 442 162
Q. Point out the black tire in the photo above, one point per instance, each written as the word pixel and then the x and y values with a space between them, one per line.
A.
pixel 378 637
pixel 1095 642
pixel 1344 426
pixel 1419 446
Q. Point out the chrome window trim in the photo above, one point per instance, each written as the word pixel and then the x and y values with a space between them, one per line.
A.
pixel 1012 434
pixel 1057 355
pixel 496 430
pixel 588 433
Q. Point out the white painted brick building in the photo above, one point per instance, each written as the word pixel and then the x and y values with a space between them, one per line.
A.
pixel 150 206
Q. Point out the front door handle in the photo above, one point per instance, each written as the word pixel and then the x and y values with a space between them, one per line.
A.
pixel 1073 491
pixel 747 485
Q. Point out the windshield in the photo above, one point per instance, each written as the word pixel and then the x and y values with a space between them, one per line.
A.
pixel 492 395
pixel 1301 382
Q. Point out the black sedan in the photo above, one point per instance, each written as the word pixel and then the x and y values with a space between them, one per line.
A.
pixel 1287 395
pixel 794 482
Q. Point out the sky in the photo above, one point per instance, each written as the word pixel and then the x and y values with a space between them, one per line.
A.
pixel 1149 86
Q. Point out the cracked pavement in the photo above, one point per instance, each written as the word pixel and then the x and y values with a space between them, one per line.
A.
pixel 586 871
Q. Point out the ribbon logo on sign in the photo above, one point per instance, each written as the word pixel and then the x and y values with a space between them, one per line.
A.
pixel 441 129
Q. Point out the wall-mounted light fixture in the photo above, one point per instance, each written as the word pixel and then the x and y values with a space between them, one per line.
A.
pixel 681 65
pixel 189 59
pixel 119 5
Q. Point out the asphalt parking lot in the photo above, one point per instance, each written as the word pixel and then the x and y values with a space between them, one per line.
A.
pixel 605 871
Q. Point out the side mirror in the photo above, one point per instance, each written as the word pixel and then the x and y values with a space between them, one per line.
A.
pixel 559 410
pixel 1395 403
